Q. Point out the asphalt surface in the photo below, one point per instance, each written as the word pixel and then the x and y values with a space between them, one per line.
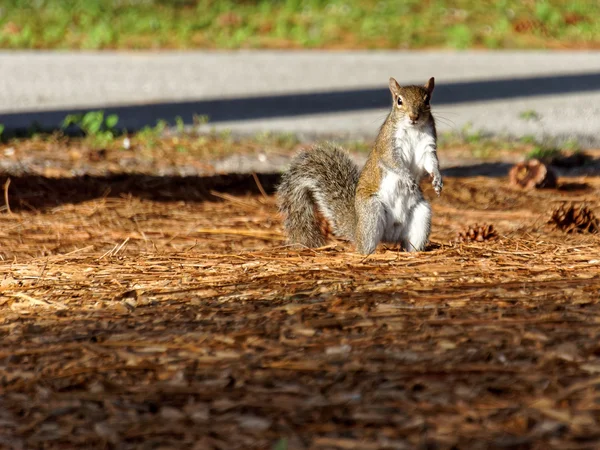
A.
pixel 544 94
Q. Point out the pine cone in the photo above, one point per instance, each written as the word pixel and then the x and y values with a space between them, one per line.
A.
pixel 478 233
pixel 532 174
pixel 574 219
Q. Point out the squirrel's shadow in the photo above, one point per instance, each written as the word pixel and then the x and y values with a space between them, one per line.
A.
pixel 36 192
pixel 32 191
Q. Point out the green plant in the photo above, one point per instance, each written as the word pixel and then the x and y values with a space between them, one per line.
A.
pixel 528 139
pixel 226 135
pixel 161 126
pixel 198 120
pixel 287 140
pixel 150 136
pixel 179 125
pixel 100 130
pixel 484 149
pixel 572 145
pixel 470 135
pixel 543 152
pixel 530 114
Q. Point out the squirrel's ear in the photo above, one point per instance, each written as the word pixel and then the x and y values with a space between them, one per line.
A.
pixel 394 87
pixel 430 85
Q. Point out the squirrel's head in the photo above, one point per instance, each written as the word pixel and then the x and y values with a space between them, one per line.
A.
pixel 411 103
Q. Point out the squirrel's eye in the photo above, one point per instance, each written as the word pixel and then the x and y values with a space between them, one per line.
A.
pixel 399 101
pixel 427 99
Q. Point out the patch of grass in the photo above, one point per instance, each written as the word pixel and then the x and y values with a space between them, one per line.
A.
pixel 184 24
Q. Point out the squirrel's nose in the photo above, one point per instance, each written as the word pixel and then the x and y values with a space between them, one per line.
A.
pixel 413 117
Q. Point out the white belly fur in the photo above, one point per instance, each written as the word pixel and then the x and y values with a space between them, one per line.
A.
pixel 397 204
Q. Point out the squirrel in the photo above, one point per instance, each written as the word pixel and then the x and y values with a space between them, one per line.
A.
pixel 380 203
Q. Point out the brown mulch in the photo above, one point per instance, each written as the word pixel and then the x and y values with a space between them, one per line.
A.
pixel 160 313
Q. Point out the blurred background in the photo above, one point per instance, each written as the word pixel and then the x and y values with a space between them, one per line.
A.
pixel 293 24
pixel 524 70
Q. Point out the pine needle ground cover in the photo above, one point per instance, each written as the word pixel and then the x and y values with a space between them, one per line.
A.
pixel 147 311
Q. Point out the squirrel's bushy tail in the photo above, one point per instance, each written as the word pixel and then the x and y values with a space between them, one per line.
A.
pixel 324 177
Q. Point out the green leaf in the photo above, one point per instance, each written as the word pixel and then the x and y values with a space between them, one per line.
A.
pixel 180 124
pixel 111 121
pixel 71 119
pixel 92 122
pixel 200 120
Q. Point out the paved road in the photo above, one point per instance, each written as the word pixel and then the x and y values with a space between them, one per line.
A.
pixel 322 93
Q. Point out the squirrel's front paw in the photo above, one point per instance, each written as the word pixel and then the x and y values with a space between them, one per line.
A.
pixel 437 184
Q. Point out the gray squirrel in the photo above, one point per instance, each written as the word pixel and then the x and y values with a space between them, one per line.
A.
pixel 381 202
